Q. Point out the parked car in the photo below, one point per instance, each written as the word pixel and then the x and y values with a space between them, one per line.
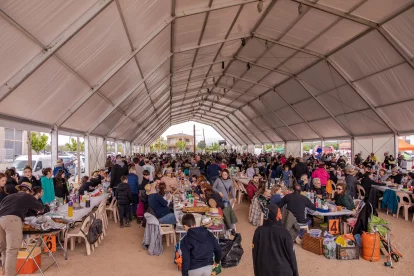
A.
pixel 39 162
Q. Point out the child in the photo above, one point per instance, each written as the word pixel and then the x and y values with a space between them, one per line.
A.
pixel 193 179
pixel 276 194
pixel 198 248
pixel 286 175
pixel 124 196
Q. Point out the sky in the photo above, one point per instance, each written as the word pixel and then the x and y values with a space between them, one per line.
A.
pixel 187 128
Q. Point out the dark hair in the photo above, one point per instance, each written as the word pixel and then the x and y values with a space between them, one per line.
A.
pixel 10 172
pixel 145 172
pixel 59 178
pixel 37 190
pixel 255 175
pixel 84 179
pixel 123 178
pixel 226 171
pixel 28 168
pixel 162 188
pixel 157 178
pixel 46 170
pixel 367 174
pixel 118 156
pixel 188 220
pixel 135 160
pixel 195 176
pixel 2 175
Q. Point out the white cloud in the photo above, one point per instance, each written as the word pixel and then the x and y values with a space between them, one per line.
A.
pixel 210 133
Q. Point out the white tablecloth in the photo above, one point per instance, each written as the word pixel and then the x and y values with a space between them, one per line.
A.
pixel 338 213
pixel 384 188
pixel 78 215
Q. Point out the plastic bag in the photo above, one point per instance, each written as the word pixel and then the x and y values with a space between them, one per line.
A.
pixel 231 251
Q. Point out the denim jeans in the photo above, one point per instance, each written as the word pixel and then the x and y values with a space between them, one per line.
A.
pixel 168 219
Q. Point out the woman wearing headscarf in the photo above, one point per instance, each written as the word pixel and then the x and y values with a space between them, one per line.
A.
pixel 273 247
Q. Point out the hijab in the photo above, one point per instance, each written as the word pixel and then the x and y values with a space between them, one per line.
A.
pixel 272 215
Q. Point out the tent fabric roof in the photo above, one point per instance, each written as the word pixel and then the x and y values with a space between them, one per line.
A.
pixel 403 145
pixel 129 69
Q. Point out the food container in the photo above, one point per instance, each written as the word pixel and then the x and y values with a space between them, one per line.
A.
pixel 315 233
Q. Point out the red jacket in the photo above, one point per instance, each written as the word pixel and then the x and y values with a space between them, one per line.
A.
pixel 251 190
pixel 322 174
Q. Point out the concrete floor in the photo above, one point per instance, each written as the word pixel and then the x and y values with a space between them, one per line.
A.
pixel 121 254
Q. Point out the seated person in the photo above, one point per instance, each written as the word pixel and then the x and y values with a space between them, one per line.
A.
pixel 88 185
pixel 276 194
pixel 300 206
pixel 196 185
pixel 342 198
pixel 161 190
pixel 209 193
pixel 253 186
pixel 319 189
pixel 193 179
pixel 198 248
pixel 367 182
pixel 395 176
pixel 170 180
pixel 160 206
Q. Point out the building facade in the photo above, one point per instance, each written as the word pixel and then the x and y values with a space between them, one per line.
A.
pixel 13 142
pixel 173 139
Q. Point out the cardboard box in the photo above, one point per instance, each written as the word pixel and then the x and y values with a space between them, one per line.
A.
pixel 30 266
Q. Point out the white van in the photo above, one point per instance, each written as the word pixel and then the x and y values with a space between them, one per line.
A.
pixel 39 162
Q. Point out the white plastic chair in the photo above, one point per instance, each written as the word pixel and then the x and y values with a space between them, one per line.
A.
pixel 79 232
pixel 405 204
pixel 113 210
pixel 168 231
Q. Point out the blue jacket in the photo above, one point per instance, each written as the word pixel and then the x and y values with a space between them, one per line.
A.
pixel 198 248
pixel 159 205
pixel 390 201
pixel 133 183
pixel 213 170
pixel 56 169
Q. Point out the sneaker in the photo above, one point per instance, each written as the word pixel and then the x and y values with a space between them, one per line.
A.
pixel 127 224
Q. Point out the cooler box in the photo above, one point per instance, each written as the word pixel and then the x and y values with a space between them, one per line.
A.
pixel 30 266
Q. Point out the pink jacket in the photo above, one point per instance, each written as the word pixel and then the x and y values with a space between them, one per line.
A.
pixel 322 174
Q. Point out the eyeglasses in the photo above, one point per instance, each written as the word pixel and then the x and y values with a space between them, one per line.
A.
pixel 339 189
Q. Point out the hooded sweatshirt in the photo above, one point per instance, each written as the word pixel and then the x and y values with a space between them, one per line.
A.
pixel 123 194
pixel 118 170
pixel 198 248
pixel 273 247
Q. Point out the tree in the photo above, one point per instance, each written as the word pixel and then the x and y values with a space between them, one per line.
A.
pixel 73 145
pixel 181 145
pixel 268 147
pixel 159 145
pixel 215 146
pixel 39 142
pixel 201 145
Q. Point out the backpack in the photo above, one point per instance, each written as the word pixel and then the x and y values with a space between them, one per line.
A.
pixel 95 230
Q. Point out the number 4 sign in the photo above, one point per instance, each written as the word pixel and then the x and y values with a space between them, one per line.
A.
pixel 333 227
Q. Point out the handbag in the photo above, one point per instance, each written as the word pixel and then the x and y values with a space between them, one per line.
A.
pixel 225 201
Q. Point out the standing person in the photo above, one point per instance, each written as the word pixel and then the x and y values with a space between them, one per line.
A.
pixel 198 248
pixel 224 186
pixel 48 186
pixel 287 175
pixel 322 174
pixel 28 177
pixel 124 198
pixel 61 166
pixel 139 170
pixel 134 186
pixel 250 171
pixel 213 171
pixel 13 210
pixel 253 186
pixel 11 182
pixel 151 170
pixel 351 182
pixel 108 164
pixel 61 187
pixel 200 164
pixel 76 163
pixel 3 180
pixel 118 170
pixel 300 169
pixel 273 252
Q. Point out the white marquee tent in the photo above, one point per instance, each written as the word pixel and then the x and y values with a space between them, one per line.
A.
pixel 258 71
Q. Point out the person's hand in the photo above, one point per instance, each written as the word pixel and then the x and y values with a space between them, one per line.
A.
pixel 221 194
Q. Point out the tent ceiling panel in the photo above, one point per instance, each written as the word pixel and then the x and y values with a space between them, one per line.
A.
pixel 226 81
pixel 283 14
pixel 341 5
pixel 160 75
pixel 366 56
pixel 308 26
pixel 122 128
pixel 275 55
pixel 256 140
pixel 311 110
pixel 390 86
pixel 271 134
pixel 108 123
pixel 121 82
pixel 237 68
pixel 338 34
pixel 187 30
pixel 298 62
pixel 253 49
pixel 218 23
pixel 242 85
pixel 183 60
pixel 321 77
pixel 93 58
pixel 155 51
pixel 257 90
pixel 363 122
pixel 393 114
pixel 16 50
pixel 328 128
pixel 292 91
pixel 255 73
pixel 378 10
pixel 303 130
pixel 35 16
pixel 287 134
pixel 139 14
pixel 183 5
pixel 52 87
pixel 245 98
pixel 401 29
pixel 289 115
pixel 274 101
pixel 229 49
pixel 273 79
pixel 342 100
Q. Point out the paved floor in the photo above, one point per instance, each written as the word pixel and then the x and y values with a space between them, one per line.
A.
pixel 121 254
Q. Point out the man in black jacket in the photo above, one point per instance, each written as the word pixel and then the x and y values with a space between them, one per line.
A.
pixel 28 177
pixel 273 247
pixel 124 197
pixel 118 170
pixel 300 169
